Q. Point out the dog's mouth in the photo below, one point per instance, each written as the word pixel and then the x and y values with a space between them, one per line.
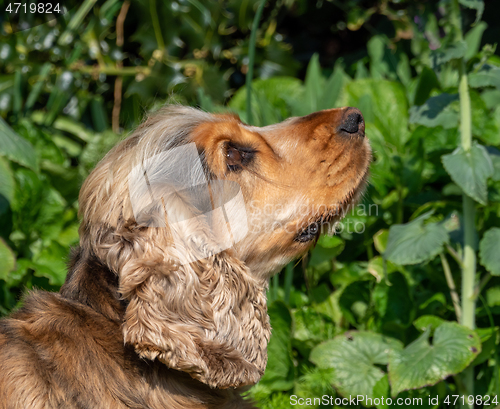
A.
pixel 334 214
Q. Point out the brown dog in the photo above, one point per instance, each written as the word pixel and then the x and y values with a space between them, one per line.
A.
pixel 183 223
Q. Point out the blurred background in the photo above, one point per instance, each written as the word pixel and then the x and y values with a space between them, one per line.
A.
pixel 414 270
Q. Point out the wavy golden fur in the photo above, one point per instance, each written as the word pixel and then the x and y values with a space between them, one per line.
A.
pixel 156 314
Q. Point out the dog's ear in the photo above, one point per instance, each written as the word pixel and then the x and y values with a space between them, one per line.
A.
pixel 208 318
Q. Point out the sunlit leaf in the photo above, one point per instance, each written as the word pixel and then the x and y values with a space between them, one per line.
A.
pixel 313 85
pixel 489 251
pixel 331 91
pixel 384 103
pixel 445 54
pixel 6 180
pixel 415 242
pixel 51 263
pixel 473 39
pixel 354 356
pixel 470 170
pixel 488 76
pixel 16 148
pixel 380 240
pixel 453 348
pixel 7 260
pixel 436 111
pixel 477 5
pixel 428 321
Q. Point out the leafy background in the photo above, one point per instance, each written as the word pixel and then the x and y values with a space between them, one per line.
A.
pixel 375 313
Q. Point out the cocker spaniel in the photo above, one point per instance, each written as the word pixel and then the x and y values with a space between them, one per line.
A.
pixel 183 223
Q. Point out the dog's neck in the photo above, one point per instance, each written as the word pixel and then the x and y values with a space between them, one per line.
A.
pixel 93 284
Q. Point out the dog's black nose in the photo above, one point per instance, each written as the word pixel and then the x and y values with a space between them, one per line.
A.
pixel 352 122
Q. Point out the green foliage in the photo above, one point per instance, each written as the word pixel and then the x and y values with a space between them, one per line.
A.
pixel 470 170
pixel 420 363
pixel 490 256
pixel 353 356
pixel 415 242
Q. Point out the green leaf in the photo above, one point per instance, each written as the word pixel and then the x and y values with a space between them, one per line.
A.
pixel 51 263
pixel 495 160
pixel 488 76
pixel 437 111
pixel 37 88
pixel 488 337
pixel 393 302
pixel 6 180
pixel 314 383
pixel 380 240
pixel 313 85
pixel 332 89
pixel 381 390
pixel 414 242
pixel 281 92
pixel 493 296
pixel 279 370
pixel 310 328
pixel 330 242
pixel 7 260
pixel 453 348
pixel 443 55
pixel 16 148
pixel 477 5
pixel 98 112
pixel 489 251
pixel 354 301
pixel 470 170
pixel 383 63
pixel 426 82
pixel 384 104
pixel 205 101
pixel 354 356
pixel 473 39
pixel 428 321
pixel 320 254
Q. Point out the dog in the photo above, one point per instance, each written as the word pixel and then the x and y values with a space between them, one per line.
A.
pixel 182 224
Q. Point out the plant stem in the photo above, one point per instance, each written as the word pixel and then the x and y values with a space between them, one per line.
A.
pixel 469 259
pixel 451 285
pixel 455 255
pixel 110 70
pixel 77 19
pixel 156 25
pixel 251 60
pixel 465 110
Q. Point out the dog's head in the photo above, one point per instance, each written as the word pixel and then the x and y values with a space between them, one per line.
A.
pixel 195 211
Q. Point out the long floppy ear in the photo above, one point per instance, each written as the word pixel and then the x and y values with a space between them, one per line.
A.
pixel 208 318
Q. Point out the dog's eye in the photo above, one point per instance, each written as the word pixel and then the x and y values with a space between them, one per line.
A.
pixel 237 157
pixel 308 234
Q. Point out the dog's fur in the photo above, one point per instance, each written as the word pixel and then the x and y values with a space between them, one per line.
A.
pixel 134 326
